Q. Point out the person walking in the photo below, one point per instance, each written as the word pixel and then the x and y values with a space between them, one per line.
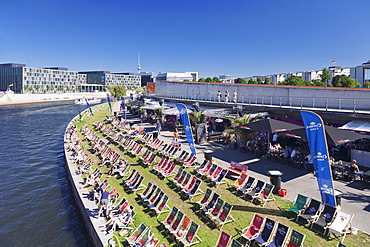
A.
pixel 219 96
pixel 226 96
pixel 158 126
pixel 235 96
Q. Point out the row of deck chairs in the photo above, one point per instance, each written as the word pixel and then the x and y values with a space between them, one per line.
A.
pixel 134 181
pixel 155 144
pixel 109 156
pixel 146 138
pixel 212 173
pixel 168 151
pixel 321 217
pixel 225 240
pixel 132 147
pixel 142 236
pixel 252 189
pixel 188 184
pixel 148 158
pixel 165 168
pixel 186 159
pixel 268 232
pixel 215 209
pixel 181 227
pixel 155 199
pixel 120 125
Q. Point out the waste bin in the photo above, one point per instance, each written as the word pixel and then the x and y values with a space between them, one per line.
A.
pixel 155 134
pixel 275 179
pixel 208 155
pixel 338 196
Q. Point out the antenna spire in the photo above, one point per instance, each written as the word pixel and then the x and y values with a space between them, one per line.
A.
pixel 138 64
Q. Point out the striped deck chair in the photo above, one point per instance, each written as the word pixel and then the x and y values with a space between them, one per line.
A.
pixel 133 180
pixel 170 218
pixel 147 189
pixel 185 181
pixel 170 171
pixel 224 217
pixel 248 185
pixel 195 189
pixel 181 178
pixel 156 201
pixel 215 174
pixel 223 240
pixel 211 203
pixel 145 156
pixel 178 174
pixel 220 178
pixel 281 235
pixel 153 242
pixel 296 239
pixel 161 163
pixel 266 194
pixel 164 167
pixel 151 159
pixel 144 238
pixel 207 195
pixel 205 162
pixel 119 210
pixel 341 224
pixel 138 185
pixel 152 199
pixel 267 232
pixel 204 171
pixel 191 162
pixel 188 240
pixel 181 230
pixel 130 176
pixel 136 234
pixel 190 185
pixel 162 207
pixel 210 171
pixel 260 185
pixel 298 205
pixel 254 229
pixel 176 222
pixel 150 194
pixel 215 210
pixel 181 156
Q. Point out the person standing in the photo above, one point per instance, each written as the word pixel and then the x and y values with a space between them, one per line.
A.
pixel 219 96
pixel 226 96
pixel 235 96
pixel 158 126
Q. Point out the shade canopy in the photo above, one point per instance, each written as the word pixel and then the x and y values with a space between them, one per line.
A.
pixel 270 125
pixel 174 111
pixel 334 136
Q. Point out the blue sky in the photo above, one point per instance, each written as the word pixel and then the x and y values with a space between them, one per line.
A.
pixel 238 37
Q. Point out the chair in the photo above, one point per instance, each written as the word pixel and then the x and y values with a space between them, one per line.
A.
pixel 162 207
pixel 296 239
pixel 191 235
pixel 220 178
pixel 341 224
pixel 194 191
pixel 222 218
pixel 242 178
pixel 311 210
pixel 205 162
pixel 185 181
pixel 215 210
pixel 204 171
pixel 266 194
pixel 247 186
pixel 321 221
pixel 156 201
pixel 267 232
pixel 144 238
pixel 255 191
pixel 147 196
pixel 147 189
pixel 181 231
pixel 211 203
pixel 207 196
pixel 154 197
pixel 215 173
pixel 171 216
pixel 281 235
pixel 136 234
pixel 299 204
pixel 178 174
pixel 175 224
pixel 236 243
pixel 254 229
pixel 223 240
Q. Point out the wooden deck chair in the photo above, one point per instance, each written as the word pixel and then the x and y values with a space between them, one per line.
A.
pixel 224 217
pixel 235 243
pixel 162 163
pixel 181 178
pixel 209 173
pixel 178 174
pixel 190 185
pixel 143 238
pixel 136 233
pixel 133 180
pixel 188 240
pixel 146 197
pixel 298 205
pixel 170 218
pixel 181 231
pixel 341 224
pixel 266 194
pixel 205 199
pixel 138 185
pixel 216 209
pixel 311 210
pixel 248 185
pixel 260 185
pixel 195 190
pixel 186 181
pixel 147 189
pixel 211 203
pixel 215 174
pixel 176 222
pixel 280 237
pixel 190 163
pixel 164 168
pixel 296 239
pixel 254 229
pixel 221 178
pixel 154 197
pixel 267 232
pixel 202 166
pixel 157 201
pixel 321 221
pixel 162 207
pixel 204 171
pixel 223 240
pixel 170 171
pixel 181 156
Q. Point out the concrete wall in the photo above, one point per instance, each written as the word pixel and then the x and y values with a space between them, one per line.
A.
pixel 334 98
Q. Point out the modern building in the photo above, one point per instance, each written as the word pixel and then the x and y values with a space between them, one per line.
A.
pixel 189 76
pixel 106 79
pixel 226 79
pixel 361 73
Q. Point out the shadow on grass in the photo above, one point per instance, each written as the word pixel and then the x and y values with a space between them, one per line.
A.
pixel 260 210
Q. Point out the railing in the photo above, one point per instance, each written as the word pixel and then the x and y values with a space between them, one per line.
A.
pixel 318 103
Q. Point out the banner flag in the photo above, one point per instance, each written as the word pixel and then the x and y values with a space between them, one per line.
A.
pixel 88 105
pixel 315 132
pixel 185 121
pixel 123 106
pixel 109 103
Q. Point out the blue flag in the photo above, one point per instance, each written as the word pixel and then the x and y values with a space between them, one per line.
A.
pixel 315 132
pixel 185 121
pixel 123 106
pixel 88 105
pixel 109 103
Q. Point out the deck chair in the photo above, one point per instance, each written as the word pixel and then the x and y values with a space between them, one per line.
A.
pixel 191 235
pixel 215 174
pixel 266 194
pixel 170 171
pixel 178 174
pixel 224 217
pixel 341 224
pixel 181 178
pixel 205 162
pixel 267 232
pixel 147 196
pixel 281 235
pixel 171 216
pixel 238 183
pixel 236 243
pixel 156 202
pixel 162 207
pixel 176 222
pixel 248 185
pixel 220 178
pixel 254 229
pixel 146 191
pixel 311 210
pixel 185 182
pixel 204 171
pixel 136 234
pixel 210 204
pixel 260 185
pixel 153 242
pixel 209 173
pixel 296 239
pixel 181 231
pixel 154 197
pixel 206 197
pixel 298 205
pixel 216 209
pixel 223 240
pixel 144 238
pixel 195 190
pixel 322 221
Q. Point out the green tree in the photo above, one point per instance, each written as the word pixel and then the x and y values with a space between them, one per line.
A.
pixel 318 83
pixel 215 79
pixel 198 117
pixel 367 84
pixel 201 79
pixel 117 91
pixel 208 79
pixel 185 80
pixel 267 80
pixel 345 81
pixel 240 81
pixel 325 76
pixel 294 80
pixel 259 80
pixel 141 89
pixel 251 81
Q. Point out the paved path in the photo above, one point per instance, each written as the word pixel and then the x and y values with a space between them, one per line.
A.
pixel 355 199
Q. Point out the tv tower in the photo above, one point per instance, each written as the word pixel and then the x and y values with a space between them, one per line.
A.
pixel 138 64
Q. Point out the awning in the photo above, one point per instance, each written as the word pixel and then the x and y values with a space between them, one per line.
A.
pixel 357 126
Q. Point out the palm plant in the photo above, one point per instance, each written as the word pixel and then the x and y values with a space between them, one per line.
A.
pixel 240 134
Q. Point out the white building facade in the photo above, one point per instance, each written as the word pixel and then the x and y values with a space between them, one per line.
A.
pixel 189 76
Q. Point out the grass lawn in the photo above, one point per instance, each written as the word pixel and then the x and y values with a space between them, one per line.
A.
pixel 242 211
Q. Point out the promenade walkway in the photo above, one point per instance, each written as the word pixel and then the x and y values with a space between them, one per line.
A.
pixel 356 199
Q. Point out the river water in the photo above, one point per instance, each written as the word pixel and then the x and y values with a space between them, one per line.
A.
pixel 36 203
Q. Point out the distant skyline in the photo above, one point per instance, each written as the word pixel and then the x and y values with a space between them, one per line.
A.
pixel 239 38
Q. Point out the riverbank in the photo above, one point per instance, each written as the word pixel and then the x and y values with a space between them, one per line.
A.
pixel 11 99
